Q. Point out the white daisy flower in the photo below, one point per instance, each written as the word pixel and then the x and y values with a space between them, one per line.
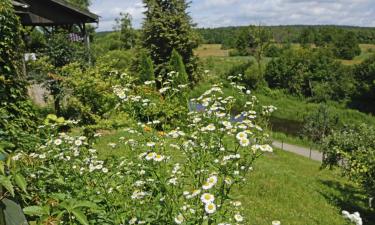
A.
pixel 179 219
pixel 133 220
pixel 210 208
pixel 159 158
pixel 212 180
pixel 58 142
pixel 276 222
pixel 244 142
pixel 207 186
pixel 78 142
pixel 210 127
pixel 238 218
pixel 150 156
pixel 150 144
pixel 207 198
pixel 241 135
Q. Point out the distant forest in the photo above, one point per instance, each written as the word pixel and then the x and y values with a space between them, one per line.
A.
pixel 227 36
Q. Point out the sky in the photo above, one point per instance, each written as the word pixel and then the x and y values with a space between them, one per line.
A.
pixel 219 13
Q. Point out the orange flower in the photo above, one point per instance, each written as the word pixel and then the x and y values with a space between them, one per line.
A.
pixel 147 128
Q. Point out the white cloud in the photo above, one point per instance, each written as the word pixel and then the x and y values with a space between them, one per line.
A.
pixel 215 13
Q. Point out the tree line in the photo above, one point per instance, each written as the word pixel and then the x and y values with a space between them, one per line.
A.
pixel 285 34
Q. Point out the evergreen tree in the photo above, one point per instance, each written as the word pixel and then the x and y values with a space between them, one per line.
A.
pixel 168 26
pixel 176 64
pixel 146 68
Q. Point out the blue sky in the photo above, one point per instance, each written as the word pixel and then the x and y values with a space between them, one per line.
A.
pixel 216 13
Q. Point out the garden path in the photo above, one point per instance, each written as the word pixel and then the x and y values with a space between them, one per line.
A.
pixel 306 152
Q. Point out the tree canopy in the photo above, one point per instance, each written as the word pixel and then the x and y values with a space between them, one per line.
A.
pixel 168 26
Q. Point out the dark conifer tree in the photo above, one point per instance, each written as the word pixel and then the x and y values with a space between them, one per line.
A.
pixel 168 26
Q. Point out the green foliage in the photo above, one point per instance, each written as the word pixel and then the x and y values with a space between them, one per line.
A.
pixel 17 116
pixel 176 64
pixel 364 97
pixel 62 51
pixel 116 59
pixel 320 36
pixel 146 68
pixel 254 77
pixel 346 46
pixel 89 91
pixel 168 26
pixel 352 149
pixel 273 51
pixel 310 73
pixel 128 35
pixel 319 124
pixel 84 4
pixel 105 43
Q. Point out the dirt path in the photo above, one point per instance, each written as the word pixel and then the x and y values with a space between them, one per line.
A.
pixel 313 154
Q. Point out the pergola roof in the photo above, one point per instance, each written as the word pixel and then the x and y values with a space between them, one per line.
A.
pixel 51 13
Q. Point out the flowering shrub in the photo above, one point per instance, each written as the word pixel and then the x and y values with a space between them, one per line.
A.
pixel 181 175
pixel 353 218
pixel 352 150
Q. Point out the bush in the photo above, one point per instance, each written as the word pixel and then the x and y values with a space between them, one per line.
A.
pixel 254 77
pixel 88 92
pixel 352 149
pixel 311 73
pixel 146 68
pixel 117 59
pixel 273 51
pixel 346 46
pixel 177 65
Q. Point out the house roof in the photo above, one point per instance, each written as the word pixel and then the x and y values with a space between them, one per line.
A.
pixel 51 13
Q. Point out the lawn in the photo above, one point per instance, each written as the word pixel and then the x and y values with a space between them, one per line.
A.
pixel 284 187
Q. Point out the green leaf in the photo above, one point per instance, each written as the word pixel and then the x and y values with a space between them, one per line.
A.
pixel 2 170
pixel 87 204
pixel 60 120
pixel 36 211
pixel 80 217
pixel 7 184
pixel 21 182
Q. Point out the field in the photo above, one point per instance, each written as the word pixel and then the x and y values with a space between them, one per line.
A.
pixel 284 187
pixel 367 51
pixel 206 50
pixel 215 50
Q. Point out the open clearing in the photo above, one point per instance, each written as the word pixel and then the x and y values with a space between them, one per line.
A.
pixel 207 50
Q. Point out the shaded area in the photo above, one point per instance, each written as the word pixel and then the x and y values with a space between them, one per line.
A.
pixel 286 126
pixel 349 198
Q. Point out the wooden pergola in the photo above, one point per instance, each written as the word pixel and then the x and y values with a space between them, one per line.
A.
pixel 53 14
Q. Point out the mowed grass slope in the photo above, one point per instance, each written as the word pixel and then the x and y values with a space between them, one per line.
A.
pixel 284 187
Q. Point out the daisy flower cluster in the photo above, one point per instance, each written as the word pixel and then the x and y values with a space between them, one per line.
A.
pixel 183 174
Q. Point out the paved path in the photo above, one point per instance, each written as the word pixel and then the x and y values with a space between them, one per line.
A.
pixel 314 155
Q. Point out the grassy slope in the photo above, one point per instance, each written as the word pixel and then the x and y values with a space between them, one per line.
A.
pixel 283 187
pixel 293 190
